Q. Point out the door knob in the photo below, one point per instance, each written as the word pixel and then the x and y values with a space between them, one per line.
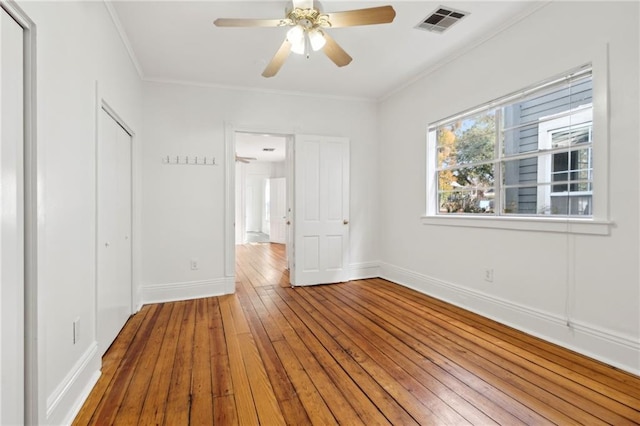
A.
pixel 288 222
pixel 345 222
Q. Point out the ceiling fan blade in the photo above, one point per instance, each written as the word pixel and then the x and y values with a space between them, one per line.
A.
pixel 335 52
pixel 370 16
pixel 241 159
pixel 303 4
pixel 278 59
pixel 239 22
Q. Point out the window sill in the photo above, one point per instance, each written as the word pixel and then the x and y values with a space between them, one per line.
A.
pixel 559 225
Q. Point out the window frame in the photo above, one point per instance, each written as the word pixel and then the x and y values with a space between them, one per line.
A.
pixel 597 224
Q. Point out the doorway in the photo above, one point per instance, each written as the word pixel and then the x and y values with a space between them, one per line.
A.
pixel 261 175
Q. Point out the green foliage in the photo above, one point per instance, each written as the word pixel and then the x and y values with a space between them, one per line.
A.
pixel 473 145
pixel 467 142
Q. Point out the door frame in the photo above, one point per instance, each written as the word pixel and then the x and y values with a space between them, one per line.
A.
pixel 230 130
pixel 33 399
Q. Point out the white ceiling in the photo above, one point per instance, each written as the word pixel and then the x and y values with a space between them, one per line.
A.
pixel 177 41
pixel 253 144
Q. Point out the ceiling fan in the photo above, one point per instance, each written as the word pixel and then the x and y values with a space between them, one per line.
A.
pixel 308 30
pixel 246 160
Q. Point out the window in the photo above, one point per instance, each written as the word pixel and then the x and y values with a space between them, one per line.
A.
pixel 528 154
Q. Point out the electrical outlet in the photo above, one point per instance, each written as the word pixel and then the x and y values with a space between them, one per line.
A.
pixel 76 331
pixel 194 264
pixel 488 275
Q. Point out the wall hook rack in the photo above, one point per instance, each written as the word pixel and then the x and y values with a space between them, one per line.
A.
pixel 188 160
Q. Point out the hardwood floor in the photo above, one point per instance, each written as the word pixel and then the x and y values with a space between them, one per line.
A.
pixel 364 352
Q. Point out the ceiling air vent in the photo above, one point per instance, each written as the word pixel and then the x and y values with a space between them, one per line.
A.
pixel 442 19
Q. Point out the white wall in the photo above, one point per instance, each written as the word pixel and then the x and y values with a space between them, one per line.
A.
pixel 272 169
pixel 532 269
pixel 255 177
pixel 183 206
pixel 77 45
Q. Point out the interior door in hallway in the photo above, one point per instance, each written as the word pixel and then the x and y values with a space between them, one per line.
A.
pixel 114 229
pixel 321 210
pixel 11 221
pixel 278 210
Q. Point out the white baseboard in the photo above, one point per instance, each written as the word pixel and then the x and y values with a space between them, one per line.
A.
pixel 65 401
pixel 364 270
pixel 609 347
pixel 170 292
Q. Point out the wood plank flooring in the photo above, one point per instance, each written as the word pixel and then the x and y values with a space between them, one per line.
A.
pixel 364 352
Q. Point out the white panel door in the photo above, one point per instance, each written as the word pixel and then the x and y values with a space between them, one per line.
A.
pixel 12 222
pixel 321 210
pixel 114 230
pixel 278 210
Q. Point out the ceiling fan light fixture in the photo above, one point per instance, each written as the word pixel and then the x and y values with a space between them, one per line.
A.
pixel 317 40
pixel 296 36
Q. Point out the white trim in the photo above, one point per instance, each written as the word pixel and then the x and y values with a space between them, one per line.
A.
pixel 229 200
pixel 34 346
pixel 75 408
pixel 171 292
pixel 524 223
pixel 123 36
pixel 601 132
pixel 364 270
pixel 74 389
pixel 612 348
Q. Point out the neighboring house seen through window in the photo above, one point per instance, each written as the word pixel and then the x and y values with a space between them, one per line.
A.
pixel 529 153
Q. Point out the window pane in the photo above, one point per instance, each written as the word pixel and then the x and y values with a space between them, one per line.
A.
pixel 475 177
pixel 523 171
pixel 533 200
pixel 572 205
pixel 571 136
pixel 522 200
pixel 466 201
pixel 521 139
pixel 548 102
pixel 538 200
pixel 560 171
pixel 468 189
pixel 467 141
pixel 574 170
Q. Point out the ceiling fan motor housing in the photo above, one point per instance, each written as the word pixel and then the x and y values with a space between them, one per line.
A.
pixel 307 18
